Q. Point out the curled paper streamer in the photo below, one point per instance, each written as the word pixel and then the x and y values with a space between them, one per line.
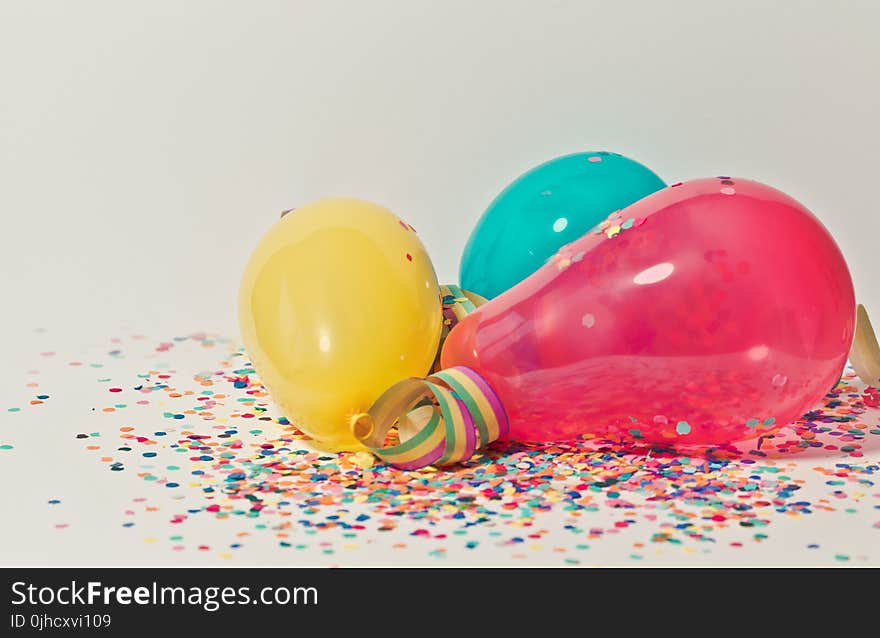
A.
pixel 457 304
pixel 865 352
pixel 441 420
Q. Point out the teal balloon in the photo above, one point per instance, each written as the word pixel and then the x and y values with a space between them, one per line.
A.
pixel 544 209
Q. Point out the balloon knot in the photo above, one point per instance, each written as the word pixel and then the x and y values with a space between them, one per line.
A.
pixel 361 425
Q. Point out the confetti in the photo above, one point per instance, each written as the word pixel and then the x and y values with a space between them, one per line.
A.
pixel 210 444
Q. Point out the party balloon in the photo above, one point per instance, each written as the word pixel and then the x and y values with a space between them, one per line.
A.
pixel 709 312
pixel 338 301
pixel 547 207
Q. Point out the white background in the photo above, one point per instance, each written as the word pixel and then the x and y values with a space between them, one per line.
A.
pixel 145 147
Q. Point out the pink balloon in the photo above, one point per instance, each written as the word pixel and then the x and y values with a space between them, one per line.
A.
pixel 706 313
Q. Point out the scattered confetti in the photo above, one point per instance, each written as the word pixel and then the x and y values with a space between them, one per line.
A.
pixel 215 444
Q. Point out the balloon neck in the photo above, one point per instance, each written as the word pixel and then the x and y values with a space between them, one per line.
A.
pixel 442 419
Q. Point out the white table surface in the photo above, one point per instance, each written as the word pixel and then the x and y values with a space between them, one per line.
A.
pixel 65 505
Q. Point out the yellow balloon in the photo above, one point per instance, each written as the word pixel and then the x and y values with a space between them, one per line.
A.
pixel 338 302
